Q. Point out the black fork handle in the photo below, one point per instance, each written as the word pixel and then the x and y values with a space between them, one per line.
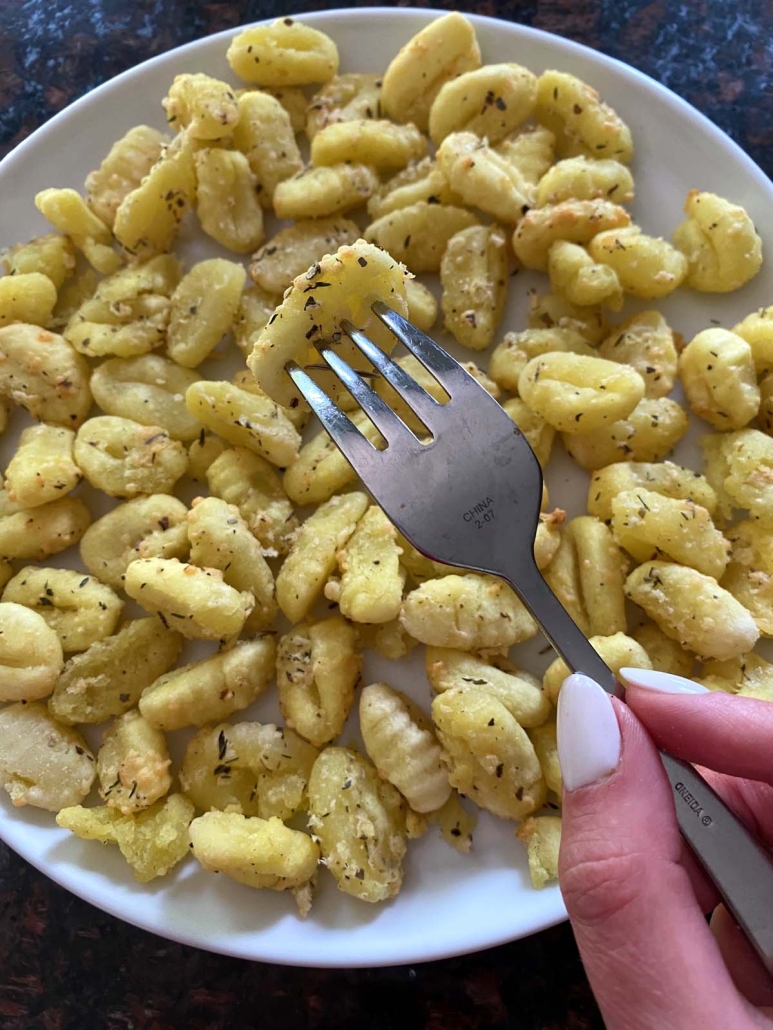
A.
pixel 740 867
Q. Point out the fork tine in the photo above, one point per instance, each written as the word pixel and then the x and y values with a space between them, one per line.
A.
pixel 443 367
pixel 423 404
pixel 355 447
pixel 391 427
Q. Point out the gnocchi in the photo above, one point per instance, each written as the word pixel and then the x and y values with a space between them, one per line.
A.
pixel 318 667
pixel 197 602
pixel 211 689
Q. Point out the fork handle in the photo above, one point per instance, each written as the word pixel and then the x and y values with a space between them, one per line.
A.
pixel 740 867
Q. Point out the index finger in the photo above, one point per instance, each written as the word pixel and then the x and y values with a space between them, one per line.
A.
pixel 733 735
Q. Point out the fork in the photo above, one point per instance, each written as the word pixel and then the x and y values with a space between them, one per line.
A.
pixel 470 497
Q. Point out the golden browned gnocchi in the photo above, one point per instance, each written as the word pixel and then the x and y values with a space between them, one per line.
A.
pixel 519 691
pixel 127 163
pixel 295 249
pixel 245 418
pixel 148 217
pixel 34 534
pixel 203 308
pixel 42 763
pixel 27 297
pixel 663 477
pixel 445 48
pixel 542 837
pixel 318 667
pixel 52 256
pixel 124 458
pixel 757 330
pixel 133 764
pixel 41 372
pixel 324 191
pixel 530 150
pixel 581 279
pixel 79 608
pixel 693 609
pixel 128 313
pixel 484 178
pixel 221 539
pixel 211 689
pixel 255 308
pixel 402 745
pixel 109 677
pixel 226 199
pixel 66 210
pixel 720 243
pixel 418 234
pixel 419 180
pixel 647 434
pixel 359 821
pixel 515 351
pixel 245 479
pixel 646 266
pixel 249 767
pixel 283 53
pixel 468 613
pixel 152 841
pixel 649 525
pixel 618 651
pixel 576 221
pixel 645 342
pixel 665 654
pixel 265 136
pixel 746 458
pixel 578 394
pixel 144 527
pixel 492 760
pixel 197 602
pixel 748 676
pixel 586 573
pixel 544 739
pixel 30 654
pixel 42 468
pixel 585 178
pixel 491 101
pixel 261 853
pixel 552 311
pixel 473 274
pixel 718 375
pixel 582 123
pixel 342 99
pixel 206 107
pixel 371 584
pixel 149 389
pixel 382 144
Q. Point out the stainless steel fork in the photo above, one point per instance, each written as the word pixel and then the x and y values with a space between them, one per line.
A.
pixel 470 497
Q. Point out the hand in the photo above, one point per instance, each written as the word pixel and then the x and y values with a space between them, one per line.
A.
pixel 635 894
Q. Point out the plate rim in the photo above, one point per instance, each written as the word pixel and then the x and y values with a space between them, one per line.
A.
pixel 554 910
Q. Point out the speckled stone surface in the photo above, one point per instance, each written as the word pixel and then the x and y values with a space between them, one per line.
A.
pixel 63 964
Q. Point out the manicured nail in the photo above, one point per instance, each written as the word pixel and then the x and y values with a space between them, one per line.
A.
pixel 662 682
pixel 588 734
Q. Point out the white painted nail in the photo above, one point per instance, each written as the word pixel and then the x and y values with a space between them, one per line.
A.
pixel 662 682
pixel 588 734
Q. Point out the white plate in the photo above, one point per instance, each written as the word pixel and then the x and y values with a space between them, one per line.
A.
pixel 449 904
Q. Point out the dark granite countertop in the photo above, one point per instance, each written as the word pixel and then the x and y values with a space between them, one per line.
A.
pixel 64 964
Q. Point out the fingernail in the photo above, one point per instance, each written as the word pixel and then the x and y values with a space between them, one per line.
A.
pixel 662 682
pixel 588 734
